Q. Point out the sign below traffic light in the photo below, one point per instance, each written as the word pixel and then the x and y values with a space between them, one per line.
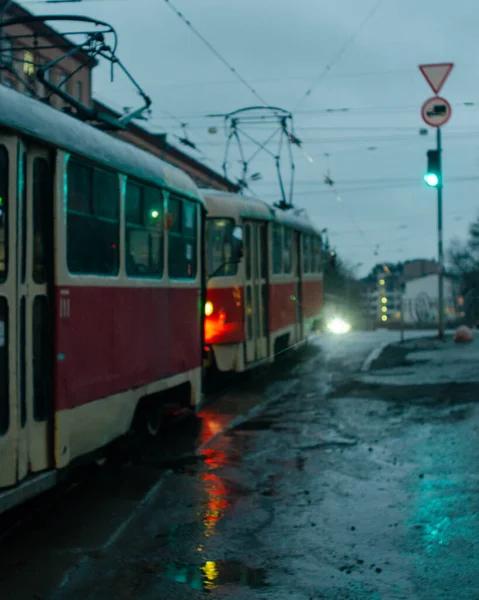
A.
pixel 433 173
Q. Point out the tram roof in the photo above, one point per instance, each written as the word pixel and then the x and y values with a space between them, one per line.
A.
pixel 237 206
pixel 226 204
pixel 297 222
pixel 32 118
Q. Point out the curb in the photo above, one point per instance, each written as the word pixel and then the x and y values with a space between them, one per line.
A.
pixel 374 355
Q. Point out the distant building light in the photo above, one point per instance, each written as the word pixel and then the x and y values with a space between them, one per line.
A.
pixel 381 282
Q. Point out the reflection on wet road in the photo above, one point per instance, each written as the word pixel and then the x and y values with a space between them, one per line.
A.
pixel 317 493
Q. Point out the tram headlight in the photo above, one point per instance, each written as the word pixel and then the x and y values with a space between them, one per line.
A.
pixel 339 327
pixel 209 308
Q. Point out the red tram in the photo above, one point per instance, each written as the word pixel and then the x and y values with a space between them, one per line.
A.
pixel 102 289
pixel 268 300
pixel 99 292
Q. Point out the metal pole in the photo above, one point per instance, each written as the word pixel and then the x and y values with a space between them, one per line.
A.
pixel 440 249
pixel 401 291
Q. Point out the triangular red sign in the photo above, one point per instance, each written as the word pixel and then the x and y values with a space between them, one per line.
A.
pixel 436 75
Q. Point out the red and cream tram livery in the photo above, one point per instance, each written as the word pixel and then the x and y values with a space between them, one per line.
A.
pixel 100 290
pixel 268 298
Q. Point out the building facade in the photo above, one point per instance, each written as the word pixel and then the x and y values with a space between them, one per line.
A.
pixel 18 62
pixel 18 59
pixel 421 301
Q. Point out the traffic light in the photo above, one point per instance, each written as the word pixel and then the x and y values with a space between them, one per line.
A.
pixel 433 174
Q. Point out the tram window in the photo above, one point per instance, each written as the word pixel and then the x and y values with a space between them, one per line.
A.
pixel 133 203
pixel 219 234
pixel 93 207
pixel 41 196
pixel 287 251
pixel 264 301
pixel 22 186
pixel 106 195
pixel 306 253
pixel 249 313
pixel 256 250
pixel 315 255
pixel 277 249
pixel 182 239
pixel 144 231
pixel 23 365
pixel 4 399
pixel 4 179
pixel 174 209
pixel 264 251
pixel 247 251
pixel 41 366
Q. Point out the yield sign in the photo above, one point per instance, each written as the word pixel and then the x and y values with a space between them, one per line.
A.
pixel 436 75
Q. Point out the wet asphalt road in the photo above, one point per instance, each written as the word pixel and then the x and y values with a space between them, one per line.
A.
pixel 329 489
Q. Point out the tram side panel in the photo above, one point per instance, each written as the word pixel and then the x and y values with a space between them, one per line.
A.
pixel 123 337
pixel 312 281
pixel 283 289
pixel 312 293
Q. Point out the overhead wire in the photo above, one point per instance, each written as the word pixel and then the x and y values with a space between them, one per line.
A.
pixel 372 188
pixel 339 53
pixel 218 55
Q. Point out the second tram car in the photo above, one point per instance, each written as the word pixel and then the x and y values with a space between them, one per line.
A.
pixel 270 297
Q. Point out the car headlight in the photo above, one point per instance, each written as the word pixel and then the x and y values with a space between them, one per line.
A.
pixel 339 327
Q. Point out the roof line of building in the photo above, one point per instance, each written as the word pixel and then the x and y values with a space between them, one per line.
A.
pixel 160 141
pixel 44 30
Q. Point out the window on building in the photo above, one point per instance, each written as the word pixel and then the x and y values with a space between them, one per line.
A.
pixel 219 236
pixel 92 220
pixel 277 249
pixel 29 63
pixel 182 238
pixel 144 231
pixel 6 51
pixel 287 250
pixel 306 253
pixel 63 80
pixel 4 180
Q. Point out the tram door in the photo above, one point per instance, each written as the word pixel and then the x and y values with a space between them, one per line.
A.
pixel 256 290
pixel 25 357
pixel 299 286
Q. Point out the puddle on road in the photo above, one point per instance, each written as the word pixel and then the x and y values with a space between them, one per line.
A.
pixel 214 574
pixel 254 425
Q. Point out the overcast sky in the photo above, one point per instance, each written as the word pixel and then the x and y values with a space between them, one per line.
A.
pixel 376 156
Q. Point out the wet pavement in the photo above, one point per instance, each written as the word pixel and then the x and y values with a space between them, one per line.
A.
pixel 310 480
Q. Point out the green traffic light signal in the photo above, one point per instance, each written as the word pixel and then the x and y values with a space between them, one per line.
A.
pixel 433 174
pixel 431 179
